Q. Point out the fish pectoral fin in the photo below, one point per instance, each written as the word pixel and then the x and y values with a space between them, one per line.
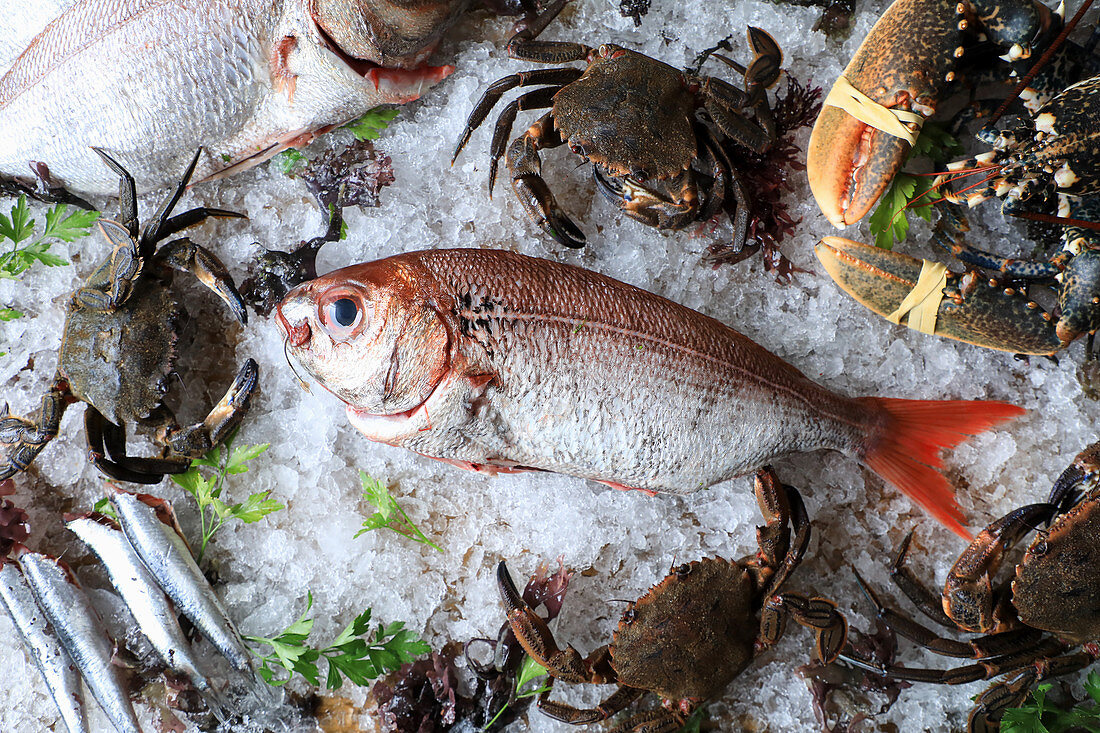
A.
pixel 622 487
pixel 282 78
pixel 489 469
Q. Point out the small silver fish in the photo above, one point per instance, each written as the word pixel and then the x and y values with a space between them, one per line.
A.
pixel 81 632
pixel 168 558
pixel 57 668
pixel 150 607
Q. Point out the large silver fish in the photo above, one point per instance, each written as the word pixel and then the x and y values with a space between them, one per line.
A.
pixel 151 80
pixel 169 560
pixel 57 668
pixel 81 632
pixel 496 361
pixel 146 601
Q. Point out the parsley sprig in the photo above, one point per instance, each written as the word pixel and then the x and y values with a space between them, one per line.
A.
pixel 529 670
pixel 390 515
pixel 1039 715
pixel 890 221
pixel 225 460
pixel 19 228
pixel 355 653
pixel 371 124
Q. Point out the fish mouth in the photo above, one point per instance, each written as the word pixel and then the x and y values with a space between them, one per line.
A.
pixel 397 85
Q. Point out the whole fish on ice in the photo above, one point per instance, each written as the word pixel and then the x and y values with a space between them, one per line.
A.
pixel 147 603
pixel 151 80
pixel 81 632
pixel 57 668
pixel 496 361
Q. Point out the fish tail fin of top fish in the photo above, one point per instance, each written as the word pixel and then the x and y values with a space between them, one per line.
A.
pixel 905 449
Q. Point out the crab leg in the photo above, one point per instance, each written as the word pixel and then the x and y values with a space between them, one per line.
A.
pixel 102 433
pixel 817 614
pixel 538 641
pixel 580 716
pixel 492 95
pixel 538 99
pixel 928 603
pixel 1085 468
pixel 22 439
pixel 651 721
pixel 985 647
pixel 533 193
pixel 782 505
pixel 960 675
pixel 1010 694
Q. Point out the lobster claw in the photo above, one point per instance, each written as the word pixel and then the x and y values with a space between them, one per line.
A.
pixel 974 309
pixel 850 161
pixel 850 165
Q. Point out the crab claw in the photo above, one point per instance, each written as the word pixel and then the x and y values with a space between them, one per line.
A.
pixel 534 635
pixel 974 309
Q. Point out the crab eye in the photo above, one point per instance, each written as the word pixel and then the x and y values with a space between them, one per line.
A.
pixel 628 615
pixel 342 314
pixel 683 570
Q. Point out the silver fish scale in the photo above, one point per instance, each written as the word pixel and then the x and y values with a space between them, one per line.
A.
pixel 596 378
pixel 57 668
pixel 142 595
pixel 153 126
pixel 82 634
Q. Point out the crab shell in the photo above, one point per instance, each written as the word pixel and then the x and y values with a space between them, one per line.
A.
pixel 691 634
pixel 1057 584
pixel 119 360
pixel 659 141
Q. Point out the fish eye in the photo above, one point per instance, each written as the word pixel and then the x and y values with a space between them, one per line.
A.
pixel 342 314
pixel 345 311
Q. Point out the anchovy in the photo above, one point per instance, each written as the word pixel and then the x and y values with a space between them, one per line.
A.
pixel 168 558
pixel 57 668
pixel 146 601
pixel 81 632
pixel 495 361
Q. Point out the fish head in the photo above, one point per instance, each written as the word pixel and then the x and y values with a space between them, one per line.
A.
pixel 391 33
pixel 370 335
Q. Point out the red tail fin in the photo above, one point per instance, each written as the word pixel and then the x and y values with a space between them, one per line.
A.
pixel 906 453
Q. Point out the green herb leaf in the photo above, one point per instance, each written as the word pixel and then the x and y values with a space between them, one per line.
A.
pixel 390 514
pixel 528 670
pixel 370 125
pixel 350 655
pixel 1039 715
pixel 20 226
pixel 888 222
pixel 70 228
pixel 935 143
pixel 287 161
pixel 104 507
pixel 255 508
pixel 225 460
pixel 9 314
